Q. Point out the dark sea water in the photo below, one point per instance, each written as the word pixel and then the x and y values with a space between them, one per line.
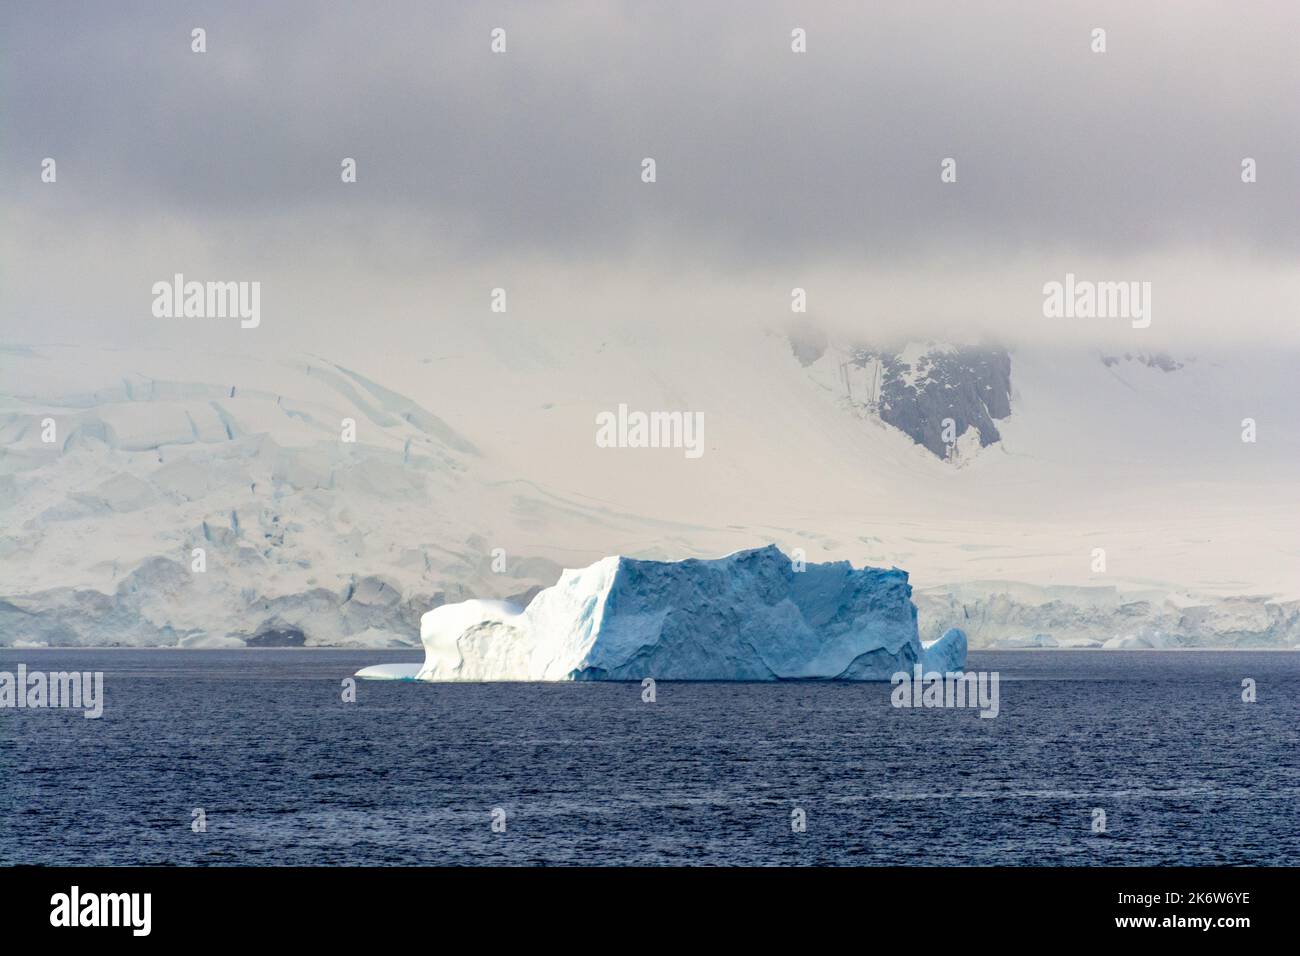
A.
pixel 287 773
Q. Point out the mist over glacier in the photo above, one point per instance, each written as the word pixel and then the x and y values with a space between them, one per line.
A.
pixel 475 474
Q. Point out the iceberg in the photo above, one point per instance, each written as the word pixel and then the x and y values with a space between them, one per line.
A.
pixel 750 616
pixel 389 672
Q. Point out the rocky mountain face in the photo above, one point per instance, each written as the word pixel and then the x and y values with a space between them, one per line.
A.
pixel 1160 360
pixel 924 392
pixel 946 398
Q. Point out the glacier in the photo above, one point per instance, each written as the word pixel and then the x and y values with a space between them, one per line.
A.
pixel 165 456
pixel 754 615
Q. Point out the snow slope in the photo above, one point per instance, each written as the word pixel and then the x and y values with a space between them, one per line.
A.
pixel 475 474
pixel 1145 463
pixel 304 537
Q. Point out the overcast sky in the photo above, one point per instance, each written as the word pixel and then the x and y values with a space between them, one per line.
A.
pixel 774 169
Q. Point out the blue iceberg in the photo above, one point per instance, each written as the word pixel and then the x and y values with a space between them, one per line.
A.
pixel 750 616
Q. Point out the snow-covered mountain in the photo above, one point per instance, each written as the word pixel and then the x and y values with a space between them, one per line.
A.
pixel 192 501
pixel 474 473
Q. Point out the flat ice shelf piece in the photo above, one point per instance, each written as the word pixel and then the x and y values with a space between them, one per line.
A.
pixel 389 672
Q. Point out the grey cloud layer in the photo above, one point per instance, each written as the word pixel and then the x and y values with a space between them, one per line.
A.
pixel 763 156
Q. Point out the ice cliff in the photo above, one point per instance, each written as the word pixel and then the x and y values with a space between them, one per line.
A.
pixel 748 616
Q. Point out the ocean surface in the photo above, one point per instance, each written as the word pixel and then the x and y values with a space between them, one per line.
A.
pixel 285 772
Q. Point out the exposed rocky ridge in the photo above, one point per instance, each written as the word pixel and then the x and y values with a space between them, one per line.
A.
pixel 944 397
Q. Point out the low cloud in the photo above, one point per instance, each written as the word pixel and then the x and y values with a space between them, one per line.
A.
pixel 775 169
